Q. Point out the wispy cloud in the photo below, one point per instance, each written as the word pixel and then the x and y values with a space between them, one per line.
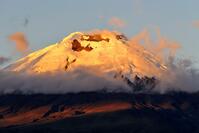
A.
pixel 117 22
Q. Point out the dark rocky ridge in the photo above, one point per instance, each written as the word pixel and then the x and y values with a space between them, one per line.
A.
pixel 174 112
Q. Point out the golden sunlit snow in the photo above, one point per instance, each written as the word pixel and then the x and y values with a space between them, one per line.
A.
pixel 102 51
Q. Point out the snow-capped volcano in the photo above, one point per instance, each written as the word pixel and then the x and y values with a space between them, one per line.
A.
pixel 107 51
pixel 96 60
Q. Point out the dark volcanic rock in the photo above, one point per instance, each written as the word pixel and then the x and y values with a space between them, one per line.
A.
pixel 95 38
pixel 76 46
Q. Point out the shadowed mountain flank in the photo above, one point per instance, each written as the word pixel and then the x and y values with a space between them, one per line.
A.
pixel 177 112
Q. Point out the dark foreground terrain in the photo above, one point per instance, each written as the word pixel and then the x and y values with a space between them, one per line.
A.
pixel 99 112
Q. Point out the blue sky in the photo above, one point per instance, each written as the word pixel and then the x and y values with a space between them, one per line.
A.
pixel 50 20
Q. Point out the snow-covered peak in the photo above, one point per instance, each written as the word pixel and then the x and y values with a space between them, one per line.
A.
pixel 101 51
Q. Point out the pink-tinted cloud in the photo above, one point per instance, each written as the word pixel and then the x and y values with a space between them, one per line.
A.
pixel 117 22
pixel 196 24
pixel 20 40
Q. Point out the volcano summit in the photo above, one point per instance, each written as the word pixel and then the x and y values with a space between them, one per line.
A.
pixel 107 51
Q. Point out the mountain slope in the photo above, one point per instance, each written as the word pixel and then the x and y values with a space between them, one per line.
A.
pixel 103 51
pixel 100 112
